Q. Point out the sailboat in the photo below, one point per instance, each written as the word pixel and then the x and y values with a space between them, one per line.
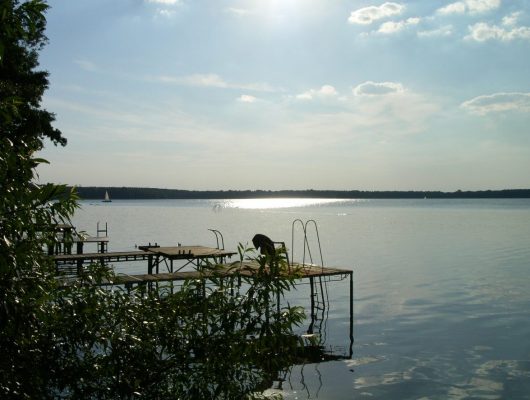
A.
pixel 107 198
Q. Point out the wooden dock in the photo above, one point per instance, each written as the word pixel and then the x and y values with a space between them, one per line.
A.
pixel 154 255
pixel 314 275
pixel 193 262
pixel 104 258
pixel 246 268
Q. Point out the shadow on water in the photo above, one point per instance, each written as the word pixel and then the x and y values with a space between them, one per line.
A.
pixel 300 374
pixel 318 351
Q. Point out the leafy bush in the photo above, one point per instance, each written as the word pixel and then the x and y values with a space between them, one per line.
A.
pixel 225 339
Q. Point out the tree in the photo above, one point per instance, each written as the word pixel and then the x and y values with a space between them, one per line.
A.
pixel 27 211
pixel 81 340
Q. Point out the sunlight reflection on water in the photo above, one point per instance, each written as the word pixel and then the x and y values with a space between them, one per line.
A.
pixel 255 204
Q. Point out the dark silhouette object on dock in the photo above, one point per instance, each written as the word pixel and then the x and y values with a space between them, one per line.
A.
pixel 264 244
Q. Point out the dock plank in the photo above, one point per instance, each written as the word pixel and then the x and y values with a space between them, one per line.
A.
pixel 247 268
pixel 188 252
pixel 115 256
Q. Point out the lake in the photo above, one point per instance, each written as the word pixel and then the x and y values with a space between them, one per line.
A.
pixel 441 287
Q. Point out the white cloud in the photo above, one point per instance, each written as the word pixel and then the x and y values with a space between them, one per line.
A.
pixel 210 80
pixel 370 88
pixel 166 13
pixel 453 8
pixel 324 91
pixel 442 31
pixel 246 98
pixel 469 6
pixel 511 20
pixel 214 80
pixel 164 8
pixel 396 26
pixel 482 32
pixel 381 116
pixel 164 2
pixel 478 6
pixel 367 15
pixel 498 102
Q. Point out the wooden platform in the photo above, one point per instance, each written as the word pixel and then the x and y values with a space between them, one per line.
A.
pixel 91 239
pixel 188 252
pixel 247 268
pixel 171 253
pixel 117 256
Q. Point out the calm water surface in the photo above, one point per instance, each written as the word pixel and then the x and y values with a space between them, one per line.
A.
pixel 441 287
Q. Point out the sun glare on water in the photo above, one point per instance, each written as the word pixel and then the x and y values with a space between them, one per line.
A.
pixel 253 204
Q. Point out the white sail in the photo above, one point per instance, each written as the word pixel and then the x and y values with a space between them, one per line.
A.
pixel 107 197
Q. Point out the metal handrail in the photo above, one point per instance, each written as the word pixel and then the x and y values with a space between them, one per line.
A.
pixel 306 241
pixel 218 235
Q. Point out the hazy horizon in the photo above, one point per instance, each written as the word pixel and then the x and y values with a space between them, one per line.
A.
pixel 257 94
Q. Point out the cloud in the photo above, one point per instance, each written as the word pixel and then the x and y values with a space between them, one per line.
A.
pixel 245 98
pixel 208 80
pixel 498 102
pixel 482 32
pixel 397 26
pixel 164 2
pixel 214 80
pixel 367 15
pixel 469 6
pixel 453 8
pixel 370 88
pixel 511 20
pixel 164 8
pixel 479 6
pixel 166 13
pixel 324 91
pixel 368 116
pixel 442 31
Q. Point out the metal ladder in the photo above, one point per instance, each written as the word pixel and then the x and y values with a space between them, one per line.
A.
pixel 318 285
pixel 102 230
pixel 218 238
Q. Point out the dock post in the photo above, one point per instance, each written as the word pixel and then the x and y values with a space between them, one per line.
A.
pixel 150 264
pixel 312 295
pixel 351 314
pixel 80 266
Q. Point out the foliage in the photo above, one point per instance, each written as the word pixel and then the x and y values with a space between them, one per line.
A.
pixel 28 211
pixel 221 340
pixel 80 339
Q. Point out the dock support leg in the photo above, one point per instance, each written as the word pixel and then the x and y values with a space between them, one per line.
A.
pixel 79 267
pixel 312 299
pixel 278 304
pixel 150 264
pixel 351 314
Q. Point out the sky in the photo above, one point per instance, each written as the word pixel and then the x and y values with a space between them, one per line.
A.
pixel 290 94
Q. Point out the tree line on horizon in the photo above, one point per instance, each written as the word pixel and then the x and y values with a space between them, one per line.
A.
pixel 141 193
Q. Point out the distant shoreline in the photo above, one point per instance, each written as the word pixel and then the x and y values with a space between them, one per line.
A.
pixel 130 193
